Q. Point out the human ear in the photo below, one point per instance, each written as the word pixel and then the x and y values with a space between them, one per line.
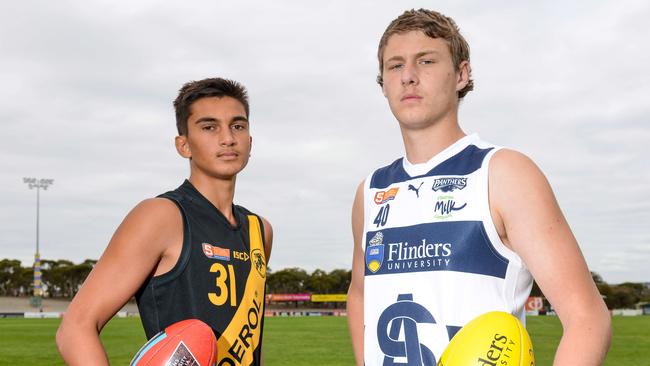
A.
pixel 182 146
pixel 462 79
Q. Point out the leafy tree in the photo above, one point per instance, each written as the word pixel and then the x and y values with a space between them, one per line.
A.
pixel 320 282
pixel 340 280
pixel 623 297
pixel 25 285
pixel 598 280
pixel 10 275
pixel 287 281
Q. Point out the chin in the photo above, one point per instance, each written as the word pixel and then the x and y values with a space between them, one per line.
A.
pixel 414 122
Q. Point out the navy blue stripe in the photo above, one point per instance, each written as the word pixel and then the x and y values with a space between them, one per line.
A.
pixel 461 246
pixel 452 330
pixel 465 162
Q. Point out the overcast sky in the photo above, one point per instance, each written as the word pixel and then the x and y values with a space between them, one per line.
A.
pixel 86 99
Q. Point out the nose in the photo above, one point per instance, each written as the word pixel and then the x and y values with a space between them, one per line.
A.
pixel 409 75
pixel 226 137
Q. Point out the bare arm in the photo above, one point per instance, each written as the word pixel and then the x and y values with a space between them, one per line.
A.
pixel 140 247
pixel 355 292
pixel 529 221
pixel 268 239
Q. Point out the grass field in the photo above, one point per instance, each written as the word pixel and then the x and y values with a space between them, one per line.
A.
pixel 296 341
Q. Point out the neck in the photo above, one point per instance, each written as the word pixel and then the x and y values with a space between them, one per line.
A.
pixel 220 192
pixel 422 144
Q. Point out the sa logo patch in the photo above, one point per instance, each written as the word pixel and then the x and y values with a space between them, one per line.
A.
pixel 214 252
pixel 382 197
pixel 375 252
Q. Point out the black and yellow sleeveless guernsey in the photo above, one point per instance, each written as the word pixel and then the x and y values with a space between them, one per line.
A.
pixel 219 278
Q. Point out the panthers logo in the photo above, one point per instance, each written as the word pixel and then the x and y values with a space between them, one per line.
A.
pixel 257 259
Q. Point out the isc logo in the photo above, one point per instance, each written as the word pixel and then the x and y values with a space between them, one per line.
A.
pixel 242 256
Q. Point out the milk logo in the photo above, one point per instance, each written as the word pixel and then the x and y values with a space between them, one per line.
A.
pixel 445 206
pixel 375 252
pixel 449 184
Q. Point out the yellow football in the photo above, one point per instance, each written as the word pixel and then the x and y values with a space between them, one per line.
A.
pixel 492 339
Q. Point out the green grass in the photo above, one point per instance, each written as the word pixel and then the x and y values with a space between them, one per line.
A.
pixel 296 341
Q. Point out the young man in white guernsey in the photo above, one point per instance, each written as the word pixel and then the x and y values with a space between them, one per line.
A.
pixel 458 226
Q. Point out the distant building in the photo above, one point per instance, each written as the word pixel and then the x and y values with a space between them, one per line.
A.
pixel 645 308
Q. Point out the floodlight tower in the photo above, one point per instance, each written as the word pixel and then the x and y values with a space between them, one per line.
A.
pixel 38 289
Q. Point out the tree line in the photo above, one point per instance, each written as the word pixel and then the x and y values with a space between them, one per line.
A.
pixel 623 296
pixel 63 278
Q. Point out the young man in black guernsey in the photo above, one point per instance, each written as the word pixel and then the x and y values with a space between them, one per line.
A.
pixel 189 253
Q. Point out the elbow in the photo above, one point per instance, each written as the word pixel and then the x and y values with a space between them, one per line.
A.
pixel 65 335
pixel 600 329
pixel 603 321
pixel 354 299
pixel 607 329
pixel 61 336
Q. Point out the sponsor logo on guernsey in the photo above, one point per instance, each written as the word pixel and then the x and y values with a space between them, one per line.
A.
pixel 445 206
pixel 214 252
pixel 449 184
pixel 375 252
pixel 422 256
pixel 258 262
pixel 245 343
pixel 397 333
pixel 382 197
pixel 416 190
pixel 242 256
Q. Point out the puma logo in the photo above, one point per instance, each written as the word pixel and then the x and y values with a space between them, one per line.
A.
pixel 416 190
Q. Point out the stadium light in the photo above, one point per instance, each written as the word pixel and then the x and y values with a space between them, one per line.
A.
pixel 37 299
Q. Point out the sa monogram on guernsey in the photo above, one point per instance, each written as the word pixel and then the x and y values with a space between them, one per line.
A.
pixel 433 258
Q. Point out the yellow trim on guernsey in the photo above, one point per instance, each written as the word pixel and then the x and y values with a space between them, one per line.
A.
pixel 241 338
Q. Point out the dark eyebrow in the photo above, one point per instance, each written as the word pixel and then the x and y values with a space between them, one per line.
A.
pixel 239 119
pixel 212 119
pixel 206 119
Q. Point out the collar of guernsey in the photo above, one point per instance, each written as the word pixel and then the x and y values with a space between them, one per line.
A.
pixel 248 319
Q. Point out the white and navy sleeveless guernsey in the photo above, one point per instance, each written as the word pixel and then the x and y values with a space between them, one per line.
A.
pixel 433 258
pixel 219 278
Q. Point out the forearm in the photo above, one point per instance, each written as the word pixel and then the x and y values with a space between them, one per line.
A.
pixel 585 341
pixel 79 345
pixel 355 324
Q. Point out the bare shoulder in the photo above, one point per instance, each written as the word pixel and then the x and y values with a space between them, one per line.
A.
pixel 512 164
pixel 268 230
pixel 358 212
pixel 268 237
pixel 155 208
pixel 519 196
pixel 154 223
pixel 158 212
pixel 514 176
pixel 358 197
